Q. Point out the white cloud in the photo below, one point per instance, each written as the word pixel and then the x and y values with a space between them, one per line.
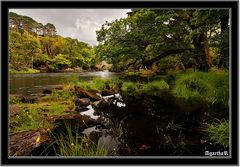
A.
pixel 75 23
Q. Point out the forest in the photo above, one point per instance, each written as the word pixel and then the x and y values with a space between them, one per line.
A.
pixel 34 47
pixel 169 94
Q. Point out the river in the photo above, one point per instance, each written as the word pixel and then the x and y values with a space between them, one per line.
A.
pixel 34 83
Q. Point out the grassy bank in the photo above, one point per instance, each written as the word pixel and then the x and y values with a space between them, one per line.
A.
pixel 28 71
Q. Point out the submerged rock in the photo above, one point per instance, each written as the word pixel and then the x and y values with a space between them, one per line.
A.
pixel 23 143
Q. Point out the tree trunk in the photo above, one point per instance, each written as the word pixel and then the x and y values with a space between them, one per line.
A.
pixel 200 54
pixel 224 48
pixel 206 47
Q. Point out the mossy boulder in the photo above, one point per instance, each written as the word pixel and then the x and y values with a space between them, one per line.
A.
pixel 91 94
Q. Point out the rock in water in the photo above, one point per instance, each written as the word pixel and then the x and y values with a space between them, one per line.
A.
pixel 81 109
pixel 75 121
pixel 91 94
pixel 100 104
pixel 82 102
pixel 107 92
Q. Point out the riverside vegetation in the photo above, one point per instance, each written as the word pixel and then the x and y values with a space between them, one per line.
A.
pixel 171 97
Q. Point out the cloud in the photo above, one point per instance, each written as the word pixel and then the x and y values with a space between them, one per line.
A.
pixel 75 23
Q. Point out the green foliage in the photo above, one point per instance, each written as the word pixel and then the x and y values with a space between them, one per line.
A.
pixel 169 63
pixel 148 35
pixel 218 133
pixel 32 45
pixel 61 62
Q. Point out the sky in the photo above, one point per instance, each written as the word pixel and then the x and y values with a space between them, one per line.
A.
pixel 75 23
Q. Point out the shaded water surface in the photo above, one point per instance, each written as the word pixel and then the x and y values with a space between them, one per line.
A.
pixel 34 83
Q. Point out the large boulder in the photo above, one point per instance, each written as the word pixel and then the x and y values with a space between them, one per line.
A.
pixel 91 94
pixel 23 143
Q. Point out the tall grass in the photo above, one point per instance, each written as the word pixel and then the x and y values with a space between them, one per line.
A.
pixel 70 143
pixel 218 133
pixel 155 87
pixel 210 87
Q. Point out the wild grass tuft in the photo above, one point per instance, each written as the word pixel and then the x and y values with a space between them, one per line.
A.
pixel 218 133
pixel 155 87
pixel 70 143
pixel 210 87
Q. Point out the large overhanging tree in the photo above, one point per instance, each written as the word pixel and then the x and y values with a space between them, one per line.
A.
pixel 147 35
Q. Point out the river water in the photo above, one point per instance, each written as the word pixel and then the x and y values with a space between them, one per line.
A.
pixel 34 83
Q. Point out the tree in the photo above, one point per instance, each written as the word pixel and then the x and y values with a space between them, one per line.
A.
pixel 50 29
pixel 23 49
pixel 148 35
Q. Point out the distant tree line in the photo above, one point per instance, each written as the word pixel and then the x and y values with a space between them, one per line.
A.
pixel 33 45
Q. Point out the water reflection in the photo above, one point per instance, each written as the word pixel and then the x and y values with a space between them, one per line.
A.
pixel 33 83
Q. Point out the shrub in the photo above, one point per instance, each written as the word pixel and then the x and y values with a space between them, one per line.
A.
pixel 218 133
